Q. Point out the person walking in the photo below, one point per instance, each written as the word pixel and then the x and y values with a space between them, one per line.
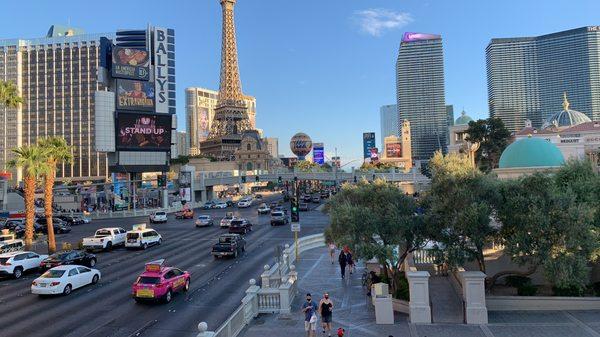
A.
pixel 332 252
pixel 350 260
pixel 326 311
pixel 343 261
pixel 309 308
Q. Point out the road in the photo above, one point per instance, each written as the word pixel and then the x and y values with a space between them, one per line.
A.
pixel 107 309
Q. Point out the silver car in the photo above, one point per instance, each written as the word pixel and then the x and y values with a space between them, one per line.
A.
pixel 204 221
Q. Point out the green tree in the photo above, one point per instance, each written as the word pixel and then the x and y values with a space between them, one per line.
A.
pixel 493 138
pixel 305 166
pixel 376 220
pixel 459 208
pixel 9 95
pixel 551 222
pixel 379 166
pixel 32 160
pixel 56 151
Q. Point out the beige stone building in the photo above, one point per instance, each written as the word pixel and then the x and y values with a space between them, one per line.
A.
pixel 253 153
pixel 397 150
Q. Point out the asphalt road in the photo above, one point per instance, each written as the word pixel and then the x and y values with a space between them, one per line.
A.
pixel 107 309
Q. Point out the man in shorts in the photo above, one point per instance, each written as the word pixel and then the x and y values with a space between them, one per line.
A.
pixel 309 308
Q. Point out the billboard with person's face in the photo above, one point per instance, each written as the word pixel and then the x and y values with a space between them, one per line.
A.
pixel 135 95
pixel 393 150
pixel 143 132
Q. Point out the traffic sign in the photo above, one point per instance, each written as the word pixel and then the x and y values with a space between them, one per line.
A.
pixel 295 226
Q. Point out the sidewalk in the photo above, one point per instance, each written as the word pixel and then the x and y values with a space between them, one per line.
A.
pixel 353 312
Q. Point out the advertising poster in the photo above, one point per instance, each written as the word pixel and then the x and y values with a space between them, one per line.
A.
pixel 374 155
pixel 186 194
pixel 368 143
pixel 393 150
pixel 318 153
pixel 143 132
pixel 130 63
pixel 135 95
pixel 203 127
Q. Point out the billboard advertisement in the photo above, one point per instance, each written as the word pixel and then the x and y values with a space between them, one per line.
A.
pixel 135 95
pixel 374 154
pixel 393 150
pixel 203 127
pixel 368 143
pixel 161 70
pixel 143 132
pixel 318 153
pixel 130 63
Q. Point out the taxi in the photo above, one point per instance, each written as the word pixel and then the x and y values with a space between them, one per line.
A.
pixel 159 282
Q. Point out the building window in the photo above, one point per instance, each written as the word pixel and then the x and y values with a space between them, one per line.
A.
pixel 248 166
pixel 248 147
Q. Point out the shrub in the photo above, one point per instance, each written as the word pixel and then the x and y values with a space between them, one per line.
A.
pixel 527 289
pixel 570 291
pixel 402 290
pixel 517 281
pixel 596 287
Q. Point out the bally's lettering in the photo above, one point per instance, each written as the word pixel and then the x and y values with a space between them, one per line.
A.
pixel 161 70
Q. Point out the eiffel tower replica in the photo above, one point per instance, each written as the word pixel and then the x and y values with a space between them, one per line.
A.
pixel 231 114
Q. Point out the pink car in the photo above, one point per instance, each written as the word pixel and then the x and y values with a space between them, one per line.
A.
pixel 159 282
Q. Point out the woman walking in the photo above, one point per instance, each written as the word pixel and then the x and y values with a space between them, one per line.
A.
pixel 326 311
pixel 332 252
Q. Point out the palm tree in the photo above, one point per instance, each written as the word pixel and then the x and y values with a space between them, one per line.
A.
pixel 56 151
pixel 9 95
pixel 32 160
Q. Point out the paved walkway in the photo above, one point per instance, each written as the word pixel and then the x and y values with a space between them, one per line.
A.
pixel 354 313
pixel 446 304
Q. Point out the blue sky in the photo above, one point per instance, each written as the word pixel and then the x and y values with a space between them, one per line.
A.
pixel 318 66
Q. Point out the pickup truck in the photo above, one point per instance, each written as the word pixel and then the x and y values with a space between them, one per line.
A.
pixel 105 239
pixel 229 245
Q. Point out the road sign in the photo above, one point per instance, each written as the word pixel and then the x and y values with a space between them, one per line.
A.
pixel 295 226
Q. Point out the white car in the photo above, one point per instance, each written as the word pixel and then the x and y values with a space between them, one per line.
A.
pixel 105 239
pixel 142 237
pixel 244 203
pixel 226 221
pixel 64 279
pixel 221 205
pixel 16 263
pixel 159 216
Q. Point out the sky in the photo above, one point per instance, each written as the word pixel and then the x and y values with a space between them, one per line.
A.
pixel 323 67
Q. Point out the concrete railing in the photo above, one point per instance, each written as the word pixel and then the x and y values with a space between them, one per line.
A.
pixel 521 303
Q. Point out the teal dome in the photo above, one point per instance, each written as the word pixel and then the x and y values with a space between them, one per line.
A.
pixel 531 152
pixel 464 119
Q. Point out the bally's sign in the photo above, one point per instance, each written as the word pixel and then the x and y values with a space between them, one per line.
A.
pixel 161 70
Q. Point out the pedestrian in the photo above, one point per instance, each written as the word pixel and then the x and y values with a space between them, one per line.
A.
pixel 309 308
pixel 350 261
pixel 341 332
pixel 343 261
pixel 331 252
pixel 326 311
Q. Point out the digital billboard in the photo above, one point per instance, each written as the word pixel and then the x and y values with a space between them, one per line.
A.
pixel 393 150
pixel 135 95
pixel 368 143
pixel 318 153
pixel 143 132
pixel 374 154
pixel 130 63
pixel 203 127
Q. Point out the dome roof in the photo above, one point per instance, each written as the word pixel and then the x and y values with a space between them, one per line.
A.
pixel 464 119
pixel 531 152
pixel 566 118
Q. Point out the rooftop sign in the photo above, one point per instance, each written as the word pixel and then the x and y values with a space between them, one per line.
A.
pixel 412 37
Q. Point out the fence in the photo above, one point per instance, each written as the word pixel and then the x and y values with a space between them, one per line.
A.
pixel 275 296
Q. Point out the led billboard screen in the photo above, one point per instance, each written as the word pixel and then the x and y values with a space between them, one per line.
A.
pixel 368 143
pixel 143 132
pixel 130 63
pixel 393 150
pixel 135 95
pixel 318 153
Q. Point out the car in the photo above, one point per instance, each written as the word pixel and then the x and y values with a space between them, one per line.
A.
pixel 19 230
pixel 324 194
pixel 158 217
pixel 221 205
pixel 263 209
pixel 258 196
pixel 303 206
pixel 273 204
pixel 244 203
pixel 16 263
pixel 59 226
pixel 316 199
pixel 62 280
pixel 209 205
pixel 240 226
pixel 229 245
pixel 226 220
pixel 71 220
pixel 306 198
pixel 279 218
pixel 105 239
pixel 230 203
pixel 78 257
pixel 159 282
pixel 204 221
pixel 12 245
pixel 142 237
pixel 185 214
pixel 84 218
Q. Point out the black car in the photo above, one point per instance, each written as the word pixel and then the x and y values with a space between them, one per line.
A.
pixel 20 229
pixel 71 220
pixel 59 226
pixel 303 207
pixel 78 257
pixel 229 245
pixel 306 198
pixel 240 226
pixel 273 204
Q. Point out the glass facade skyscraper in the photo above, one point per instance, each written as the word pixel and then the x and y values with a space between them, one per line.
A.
pixel 388 117
pixel 56 76
pixel 420 92
pixel 527 76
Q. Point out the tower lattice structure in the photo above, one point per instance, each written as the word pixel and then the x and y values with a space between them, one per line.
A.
pixel 231 115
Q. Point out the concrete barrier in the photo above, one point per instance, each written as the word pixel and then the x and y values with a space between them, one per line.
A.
pixel 523 303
